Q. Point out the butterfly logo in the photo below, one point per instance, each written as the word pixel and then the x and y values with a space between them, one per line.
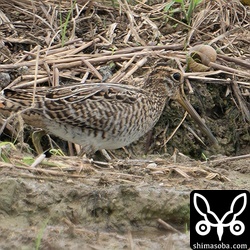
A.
pixel 203 227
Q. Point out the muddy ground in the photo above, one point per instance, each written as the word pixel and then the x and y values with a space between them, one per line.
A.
pixel 108 208
pixel 70 202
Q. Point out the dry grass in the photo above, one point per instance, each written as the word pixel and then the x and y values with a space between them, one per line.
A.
pixel 52 42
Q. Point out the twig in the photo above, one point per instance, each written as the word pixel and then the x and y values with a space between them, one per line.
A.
pixel 243 106
pixel 168 227
pixel 173 133
pixel 228 69
pixel 233 158
pixel 38 160
pixel 236 60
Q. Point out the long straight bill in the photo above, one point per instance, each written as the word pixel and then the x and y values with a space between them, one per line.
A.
pixel 189 108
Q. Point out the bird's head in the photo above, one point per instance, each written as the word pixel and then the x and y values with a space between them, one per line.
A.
pixel 169 84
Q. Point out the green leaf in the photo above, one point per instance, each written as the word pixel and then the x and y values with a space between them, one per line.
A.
pixel 54 151
pixel 28 160
pixel 4 143
pixel 168 6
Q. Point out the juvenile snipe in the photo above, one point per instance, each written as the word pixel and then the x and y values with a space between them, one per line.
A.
pixel 100 115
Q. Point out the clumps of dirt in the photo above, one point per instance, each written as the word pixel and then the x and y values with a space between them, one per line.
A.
pixel 108 205
pixel 81 213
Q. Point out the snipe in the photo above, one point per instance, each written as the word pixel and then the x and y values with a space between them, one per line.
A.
pixel 100 115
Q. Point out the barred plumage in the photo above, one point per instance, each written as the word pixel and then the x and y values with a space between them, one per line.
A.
pixel 99 115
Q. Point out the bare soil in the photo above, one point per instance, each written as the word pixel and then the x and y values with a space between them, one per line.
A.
pixel 108 208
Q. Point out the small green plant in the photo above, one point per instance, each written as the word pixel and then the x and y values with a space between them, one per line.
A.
pixel 28 160
pixel 5 151
pixel 204 157
pixel 57 152
pixel 40 234
pixel 186 228
pixel 187 7
pixel 64 25
pixel 113 50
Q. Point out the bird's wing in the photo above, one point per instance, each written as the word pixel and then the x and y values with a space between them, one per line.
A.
pixel 91 105
pixel 18 99
pixel 74 93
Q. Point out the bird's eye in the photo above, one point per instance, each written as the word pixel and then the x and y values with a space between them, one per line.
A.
pixel 176 76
